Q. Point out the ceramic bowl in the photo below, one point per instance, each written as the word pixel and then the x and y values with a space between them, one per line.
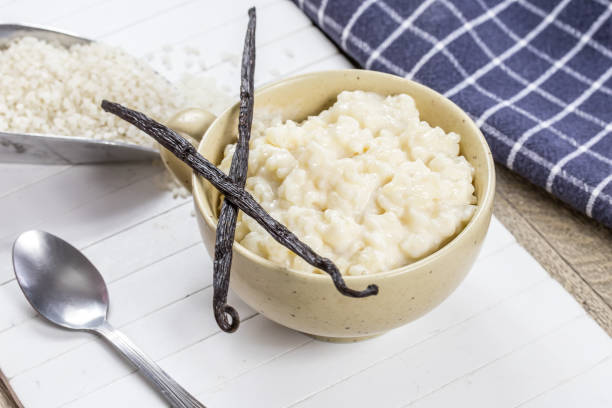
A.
pixel 309 302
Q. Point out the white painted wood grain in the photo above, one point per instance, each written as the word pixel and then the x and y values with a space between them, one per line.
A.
pixel 42 12
pixel 6 2
pixel 273 61
pixel 17 176
pixel 274 21
pixel 498 237
pixel 509 336
pixel 207 363
pixel 120 210
pixel 453 353
pixel 64 191
pixel 15 309
pixel 92 364
pixel 336 61
pixel 43 201
pixel 514 378
pixel 590 388
pixel 124 14
pixel 180 23
pixel 155 239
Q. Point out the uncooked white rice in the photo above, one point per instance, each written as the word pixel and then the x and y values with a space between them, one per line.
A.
pixel 47 88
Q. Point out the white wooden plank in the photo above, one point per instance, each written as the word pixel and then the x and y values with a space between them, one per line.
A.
pixel 273 61
pixel 158 285
pixel 16 176
pixel 115 212
pixel 197 322
pixel 41 12
pixel 273 22
pixel 464 348
pixel 92 365
pixel 95 361
pixel 498 237
pixel 65 191
pixel 519 376
pixel 34 342
pixel 487 285
pixel 173 278
pixel 14 306
pixel 229 356
pixel 145 243
pixel 116 14
pixel 336 61
pixel 91 207
pixel 6 2
pixel 198 53
pixel 589 389
pixel 207 363
pixel 129 391
pixel 178 24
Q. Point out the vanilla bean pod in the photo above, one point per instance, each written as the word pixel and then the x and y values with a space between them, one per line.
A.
pixel 185 151
pixel 226 226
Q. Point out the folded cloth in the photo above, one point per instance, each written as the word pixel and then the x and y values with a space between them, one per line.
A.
pixel 535 75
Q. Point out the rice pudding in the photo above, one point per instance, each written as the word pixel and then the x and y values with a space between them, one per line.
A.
pixel 365 183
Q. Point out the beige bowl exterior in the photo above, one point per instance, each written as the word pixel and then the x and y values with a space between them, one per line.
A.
pixel 308 302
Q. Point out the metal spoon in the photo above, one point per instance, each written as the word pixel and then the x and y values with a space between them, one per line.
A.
pixel 59 149
pixel 67 289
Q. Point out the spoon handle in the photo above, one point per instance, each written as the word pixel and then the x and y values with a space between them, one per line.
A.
pixel 176 395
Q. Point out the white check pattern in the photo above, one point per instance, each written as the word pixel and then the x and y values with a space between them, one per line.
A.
pixel 536 76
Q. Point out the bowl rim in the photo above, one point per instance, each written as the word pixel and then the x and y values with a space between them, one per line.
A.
pixel 481 214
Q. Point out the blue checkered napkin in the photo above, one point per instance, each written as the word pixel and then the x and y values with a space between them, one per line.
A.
pixel 536 76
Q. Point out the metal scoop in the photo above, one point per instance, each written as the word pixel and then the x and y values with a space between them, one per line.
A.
pixel 67 289
pixel 58 149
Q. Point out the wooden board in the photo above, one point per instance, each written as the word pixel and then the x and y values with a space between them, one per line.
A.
pixel 573 248
pixel 509 336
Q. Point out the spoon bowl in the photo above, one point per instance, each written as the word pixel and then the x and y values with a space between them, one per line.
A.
pixel 59 281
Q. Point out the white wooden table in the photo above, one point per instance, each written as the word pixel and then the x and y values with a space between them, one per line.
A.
pixel 509 336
